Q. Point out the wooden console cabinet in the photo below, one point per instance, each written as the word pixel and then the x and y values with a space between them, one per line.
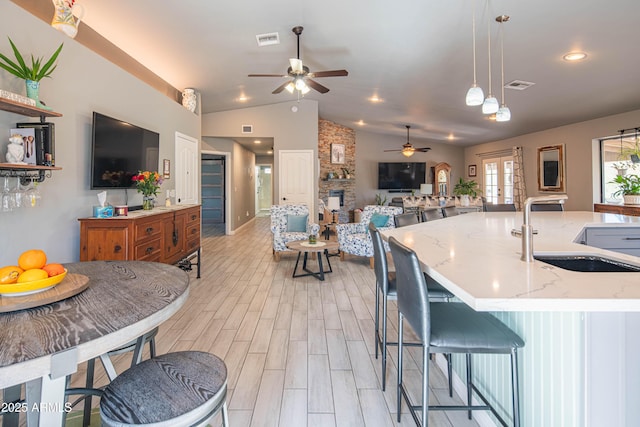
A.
pixel 167 235
pixel 631 210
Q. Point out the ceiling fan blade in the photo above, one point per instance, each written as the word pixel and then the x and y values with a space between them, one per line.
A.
pixel 296 65
pixel 280 88
pixel 391 150
pixel 332 73
pixel 317 86
pixel 267 75
pixel 423 150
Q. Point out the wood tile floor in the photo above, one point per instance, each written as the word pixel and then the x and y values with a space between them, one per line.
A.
pixel 299 352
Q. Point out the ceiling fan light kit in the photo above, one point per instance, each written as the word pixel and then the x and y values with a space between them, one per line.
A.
pixel 301 75
pixel 408 149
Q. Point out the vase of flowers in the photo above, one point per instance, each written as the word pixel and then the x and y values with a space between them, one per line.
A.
pixel 147 183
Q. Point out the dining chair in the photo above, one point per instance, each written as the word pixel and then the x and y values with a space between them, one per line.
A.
pixel 499 207
pixel 547 207
pixel 181 389
pixel 405 219
pixel 386 290
pixel 447 328
pixel 449 211
pixel 432 214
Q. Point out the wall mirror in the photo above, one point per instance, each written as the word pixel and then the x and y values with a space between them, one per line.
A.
pixel 551 169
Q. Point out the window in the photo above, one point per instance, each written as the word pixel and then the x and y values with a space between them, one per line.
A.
pixel 617 156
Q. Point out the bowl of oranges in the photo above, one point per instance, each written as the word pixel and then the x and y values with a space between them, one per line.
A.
pixel 32 274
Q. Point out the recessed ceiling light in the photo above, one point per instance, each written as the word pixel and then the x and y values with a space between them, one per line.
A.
pixel 491 117
pixel 574 56
pixel 242 98
pixel 269 152
pixel 451 137
pixel 360 122
pixel 257 141
pixel 375 99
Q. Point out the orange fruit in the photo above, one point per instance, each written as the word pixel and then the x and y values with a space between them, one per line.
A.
pixel 33 258
pixel 9 274
pixel 53 269
pixel 33 274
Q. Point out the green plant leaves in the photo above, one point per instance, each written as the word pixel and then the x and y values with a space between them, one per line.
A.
pixel 36 72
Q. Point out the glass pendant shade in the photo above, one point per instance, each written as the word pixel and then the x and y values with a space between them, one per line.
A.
pixel 300 84
pixel 475 96
pixel 290 87
pixel 503 114
pixel 490 105
pixel 407 152
pixel 305 90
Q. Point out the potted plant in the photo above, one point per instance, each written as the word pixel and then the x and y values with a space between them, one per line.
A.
pixel 347 173
pixel 628 188
pixel 381 199
pixel 464 189
pixel 31 74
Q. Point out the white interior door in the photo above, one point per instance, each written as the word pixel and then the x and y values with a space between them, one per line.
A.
pixel 498 180
pixel 296 177
pixel 186 169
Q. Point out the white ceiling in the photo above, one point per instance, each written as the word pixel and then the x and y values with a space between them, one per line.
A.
pixel 414 54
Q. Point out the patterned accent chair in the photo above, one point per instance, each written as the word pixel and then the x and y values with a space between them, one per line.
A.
pixel 354 238
pixel 279 227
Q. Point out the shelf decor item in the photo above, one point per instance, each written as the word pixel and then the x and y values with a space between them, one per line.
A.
pixel 189 99
pixel 31 74
pixel 465 189
pixel 628 188
pixel 148 183
pixel 67 16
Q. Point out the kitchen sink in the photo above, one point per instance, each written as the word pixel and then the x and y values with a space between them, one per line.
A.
pixel 588 263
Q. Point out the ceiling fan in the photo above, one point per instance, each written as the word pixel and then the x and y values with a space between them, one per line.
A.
pixel 301 74
pixel 408 149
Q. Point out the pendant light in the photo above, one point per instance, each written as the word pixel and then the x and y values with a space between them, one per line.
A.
pixel 490 104
pixel 503 114
pixel 475 95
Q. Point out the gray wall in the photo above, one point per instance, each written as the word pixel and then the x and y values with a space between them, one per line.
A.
pixel 370 150
pixel 582 155
pixel 82 83
pixel 289 130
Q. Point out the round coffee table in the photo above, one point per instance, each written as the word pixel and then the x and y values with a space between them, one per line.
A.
pixel 321 247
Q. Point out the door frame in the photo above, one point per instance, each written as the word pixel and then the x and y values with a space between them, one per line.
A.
pixel 257 166
pixel 227 185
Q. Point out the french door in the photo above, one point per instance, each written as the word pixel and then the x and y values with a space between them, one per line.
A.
pixel 498 180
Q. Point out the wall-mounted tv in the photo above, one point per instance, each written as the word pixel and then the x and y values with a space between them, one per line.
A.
pixel 401 176
pixel 119 150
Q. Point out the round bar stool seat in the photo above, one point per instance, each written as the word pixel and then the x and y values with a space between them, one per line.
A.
pixel 176 389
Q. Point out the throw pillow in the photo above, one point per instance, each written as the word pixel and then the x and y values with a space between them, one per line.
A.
pixel 379 220
pixel 297 223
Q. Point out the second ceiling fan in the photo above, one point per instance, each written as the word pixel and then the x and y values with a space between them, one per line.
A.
pixel 302 77
pixel 408 149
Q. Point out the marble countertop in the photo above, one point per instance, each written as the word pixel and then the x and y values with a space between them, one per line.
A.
pixel 475 256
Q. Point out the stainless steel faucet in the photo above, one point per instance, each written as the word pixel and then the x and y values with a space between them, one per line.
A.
pixel 526 233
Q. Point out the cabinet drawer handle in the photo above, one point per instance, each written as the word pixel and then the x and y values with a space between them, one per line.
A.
pixel 149 250
pixel 117 248
pixel 194 231
pixel 193 217
pixel 149 230
pixel 631 238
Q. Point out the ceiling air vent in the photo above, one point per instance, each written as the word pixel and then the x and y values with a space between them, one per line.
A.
pixel 518 85
pixel 268 39
pixel 247 128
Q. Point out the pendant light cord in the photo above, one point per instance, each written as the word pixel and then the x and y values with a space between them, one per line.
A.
pixel 473 26
pixel 489 44
pixel 502 59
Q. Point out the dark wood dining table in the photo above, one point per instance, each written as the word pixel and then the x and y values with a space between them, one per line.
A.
pixel 40 346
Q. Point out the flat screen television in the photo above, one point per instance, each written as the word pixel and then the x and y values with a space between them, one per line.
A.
pixel 401 176
pixel 119 150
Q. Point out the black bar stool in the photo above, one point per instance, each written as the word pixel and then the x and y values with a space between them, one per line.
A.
pixel 447 328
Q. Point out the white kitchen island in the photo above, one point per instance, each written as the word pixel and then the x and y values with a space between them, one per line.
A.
pixel 581 362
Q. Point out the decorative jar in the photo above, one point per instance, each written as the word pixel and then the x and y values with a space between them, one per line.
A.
pixel 189 99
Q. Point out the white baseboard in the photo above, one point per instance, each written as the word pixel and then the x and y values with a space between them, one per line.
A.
pixel 460 389
pixel 232 232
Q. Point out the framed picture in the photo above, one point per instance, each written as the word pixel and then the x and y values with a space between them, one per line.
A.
pixel 337 153
pixel 166 169
pixel 472 170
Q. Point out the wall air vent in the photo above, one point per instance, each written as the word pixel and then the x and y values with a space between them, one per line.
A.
pixel 268 39
pixel 518 85
pixel 247 128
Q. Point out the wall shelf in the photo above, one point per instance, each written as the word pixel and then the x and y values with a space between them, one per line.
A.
pixel 26 110
pixel 27 173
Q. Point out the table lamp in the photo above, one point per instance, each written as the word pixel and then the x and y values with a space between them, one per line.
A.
pixel 426 189
pixel 333 204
